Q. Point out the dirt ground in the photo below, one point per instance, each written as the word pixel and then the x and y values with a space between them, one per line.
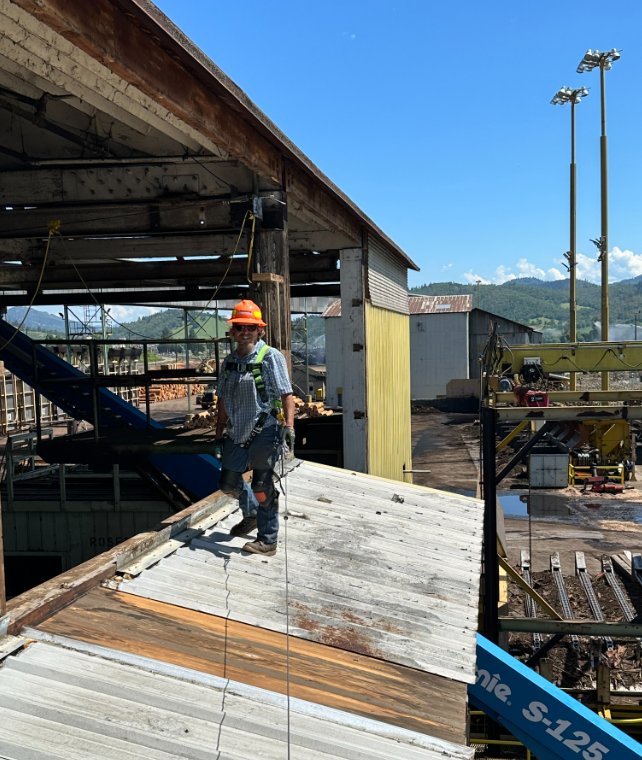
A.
pixel 448 446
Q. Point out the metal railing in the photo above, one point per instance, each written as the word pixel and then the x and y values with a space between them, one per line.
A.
pixel 95 380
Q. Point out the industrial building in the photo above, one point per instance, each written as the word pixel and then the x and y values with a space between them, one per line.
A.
pixel 447 337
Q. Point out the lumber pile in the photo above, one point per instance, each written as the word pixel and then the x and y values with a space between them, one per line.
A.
pixel 169 392
pixel 206 419
pixel 310 409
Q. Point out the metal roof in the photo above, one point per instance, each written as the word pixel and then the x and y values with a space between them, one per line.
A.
pixel 421 305
pixel 377 567
pixel 74 701
pixel 440 304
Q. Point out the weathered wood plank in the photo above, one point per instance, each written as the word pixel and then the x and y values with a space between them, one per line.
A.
pixel 318 673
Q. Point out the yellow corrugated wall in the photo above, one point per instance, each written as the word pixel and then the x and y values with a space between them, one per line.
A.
pixel 388 389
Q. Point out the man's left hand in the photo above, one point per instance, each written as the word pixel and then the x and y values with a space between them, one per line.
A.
pixel 289 437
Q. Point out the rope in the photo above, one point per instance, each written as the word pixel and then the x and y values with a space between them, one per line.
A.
pixel 283 482
pixel 54 228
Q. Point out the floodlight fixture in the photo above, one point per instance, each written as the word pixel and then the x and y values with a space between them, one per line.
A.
pixel 569 95
pixel 593 58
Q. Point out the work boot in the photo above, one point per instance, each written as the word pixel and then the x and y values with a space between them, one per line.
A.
pixel 258 547
pixel 247 525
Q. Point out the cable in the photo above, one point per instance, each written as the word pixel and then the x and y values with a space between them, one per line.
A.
pixel 53 229
pixel 211 172
pixel 212 297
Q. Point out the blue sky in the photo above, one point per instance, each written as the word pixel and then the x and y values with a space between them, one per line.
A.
pixel 435 118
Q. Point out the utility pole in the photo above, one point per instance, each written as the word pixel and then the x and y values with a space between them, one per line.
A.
pixel 478 295
pixel 636 324
pixel 605 61
pixel 189 387
pixel 572 96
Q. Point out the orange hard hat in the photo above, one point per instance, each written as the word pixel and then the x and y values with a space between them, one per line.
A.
pixel 246 312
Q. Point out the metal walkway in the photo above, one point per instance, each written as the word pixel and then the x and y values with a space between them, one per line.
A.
pixel 197 474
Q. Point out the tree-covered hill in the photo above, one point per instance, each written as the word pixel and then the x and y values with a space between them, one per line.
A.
pixel 545 305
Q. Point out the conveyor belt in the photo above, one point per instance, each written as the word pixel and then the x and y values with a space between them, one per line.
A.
pixel 614 583
pixel 585 580
pixel 530 608
pixel 556 570
pixel 196 474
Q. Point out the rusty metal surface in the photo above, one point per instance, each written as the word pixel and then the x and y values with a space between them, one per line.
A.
pixel 440 304
pixel 63 698
pixel 377 567
pixel 421 305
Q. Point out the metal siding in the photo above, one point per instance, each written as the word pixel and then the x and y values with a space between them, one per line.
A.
pixel 438 352
pixel 388 371
pixel 513 332
pixel 333 360
pixel 387 279
pixel 59 702
pixel 78 535
pixel 395 579
pixel 355 421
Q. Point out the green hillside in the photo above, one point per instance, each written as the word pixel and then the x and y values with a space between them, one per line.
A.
pixel 170 324
pixel 544 305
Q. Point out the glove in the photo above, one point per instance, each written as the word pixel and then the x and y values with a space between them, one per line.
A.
pixel 289 437
pixel 218 448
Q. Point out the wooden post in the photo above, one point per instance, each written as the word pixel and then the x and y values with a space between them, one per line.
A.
pixel 273 285
pixel 603 683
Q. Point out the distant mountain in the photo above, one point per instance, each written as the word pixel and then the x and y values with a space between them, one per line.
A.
pixel 545 305
pixel 631 280
pixel 36 320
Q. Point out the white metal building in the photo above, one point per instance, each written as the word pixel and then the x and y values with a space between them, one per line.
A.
pixel 447 335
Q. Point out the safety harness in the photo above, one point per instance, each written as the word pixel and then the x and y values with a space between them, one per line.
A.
pixel 255 368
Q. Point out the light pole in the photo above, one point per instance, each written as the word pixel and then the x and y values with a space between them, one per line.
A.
pixel 478 295
pixel 636 324
pixel 572 96
pixel 593 59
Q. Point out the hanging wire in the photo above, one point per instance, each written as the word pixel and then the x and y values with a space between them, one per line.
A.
pixel 193 319
pixel 53 229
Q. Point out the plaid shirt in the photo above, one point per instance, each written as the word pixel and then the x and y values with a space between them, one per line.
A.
pixel 238 391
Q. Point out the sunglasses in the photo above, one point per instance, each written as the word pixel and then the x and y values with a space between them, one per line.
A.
pixel 246 328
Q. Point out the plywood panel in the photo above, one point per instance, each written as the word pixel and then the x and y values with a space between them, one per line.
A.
pixel 318 673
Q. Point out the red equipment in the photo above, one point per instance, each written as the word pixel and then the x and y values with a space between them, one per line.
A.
pixel 525 396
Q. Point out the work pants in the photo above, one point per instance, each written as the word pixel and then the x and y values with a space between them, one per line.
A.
pixel 261 454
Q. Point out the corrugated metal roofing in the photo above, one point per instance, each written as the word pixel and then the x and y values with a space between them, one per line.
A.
pixel 440 304
pixel 59 702
pixel 421 305
pixel 378 567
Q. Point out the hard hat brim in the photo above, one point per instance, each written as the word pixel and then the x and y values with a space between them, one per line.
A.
pixel 246 321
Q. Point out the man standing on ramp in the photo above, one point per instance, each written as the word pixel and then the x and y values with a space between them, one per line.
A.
pixel 255 416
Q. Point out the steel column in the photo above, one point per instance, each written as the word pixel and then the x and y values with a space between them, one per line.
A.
pixel 491 562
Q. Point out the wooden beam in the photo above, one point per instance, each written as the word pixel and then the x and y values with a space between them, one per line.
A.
pixel 273 289
pixel 313 268
pixel 577 627
pixel 200 215
pixel 539 600
pixel 80 297
pixel 121 182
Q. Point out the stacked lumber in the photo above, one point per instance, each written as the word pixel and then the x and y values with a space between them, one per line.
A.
pixel 206 419
pixel 169 392
pixel 310 409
